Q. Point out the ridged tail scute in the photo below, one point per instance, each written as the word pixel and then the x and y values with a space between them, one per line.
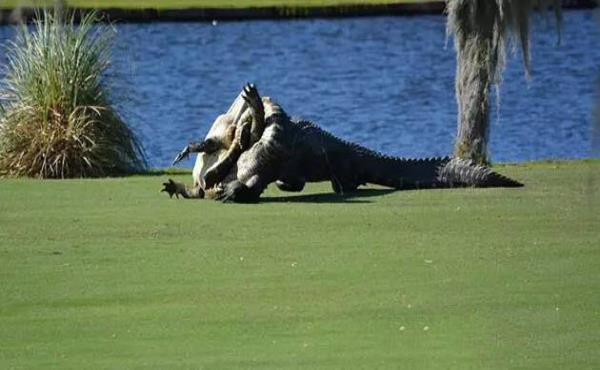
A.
pixel 403 173
pixel 428 173
pixel 464 172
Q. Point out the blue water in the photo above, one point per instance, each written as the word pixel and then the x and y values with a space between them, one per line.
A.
pixel 386 83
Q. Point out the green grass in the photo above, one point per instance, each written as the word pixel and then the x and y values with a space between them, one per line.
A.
pixel 112 274
pixel 178 4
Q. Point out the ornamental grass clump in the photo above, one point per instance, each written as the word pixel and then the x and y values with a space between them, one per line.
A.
pixel 56 120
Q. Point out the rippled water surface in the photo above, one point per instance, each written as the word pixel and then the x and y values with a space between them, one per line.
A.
pixel 387 83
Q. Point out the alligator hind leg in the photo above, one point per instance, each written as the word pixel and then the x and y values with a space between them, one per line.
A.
pixel 341 186
pixel 342 174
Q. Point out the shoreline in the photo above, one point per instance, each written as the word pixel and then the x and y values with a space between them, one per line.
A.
pixel 12 16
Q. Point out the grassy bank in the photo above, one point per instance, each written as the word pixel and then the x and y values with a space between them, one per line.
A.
pixel 182 4
pixel 112 274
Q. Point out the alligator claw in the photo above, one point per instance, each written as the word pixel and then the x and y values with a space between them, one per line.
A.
pixel 251 96
pixel 182 155
pixel 170 188
pixel 226 195
pixel 249 87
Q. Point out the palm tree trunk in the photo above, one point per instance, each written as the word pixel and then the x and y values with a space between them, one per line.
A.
pixel 481 30
pixel 474 76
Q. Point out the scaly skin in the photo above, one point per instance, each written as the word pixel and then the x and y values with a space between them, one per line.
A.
pixel 298 152
pixel 292 153
pixel 230 134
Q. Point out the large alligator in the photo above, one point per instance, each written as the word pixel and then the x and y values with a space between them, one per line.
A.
pixel 293 152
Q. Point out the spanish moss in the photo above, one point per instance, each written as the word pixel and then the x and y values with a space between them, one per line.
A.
pixel 482 30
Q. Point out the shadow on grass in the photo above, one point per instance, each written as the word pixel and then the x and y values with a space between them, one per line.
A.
pixel 171 171
pixel 354 197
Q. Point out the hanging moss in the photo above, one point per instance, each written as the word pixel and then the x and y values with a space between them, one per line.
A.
pixel 482 31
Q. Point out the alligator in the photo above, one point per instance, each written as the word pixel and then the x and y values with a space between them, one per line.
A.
pixel 292 152
pixel 230 134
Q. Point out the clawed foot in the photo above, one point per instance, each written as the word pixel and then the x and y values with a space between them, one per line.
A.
pixel 251 96
pixel 173 188
pixel 237 192
pixel 214 192
pixel 182 155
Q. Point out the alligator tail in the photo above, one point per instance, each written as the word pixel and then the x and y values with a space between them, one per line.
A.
pixel 360 165
pixel 445 172
pixel 465 172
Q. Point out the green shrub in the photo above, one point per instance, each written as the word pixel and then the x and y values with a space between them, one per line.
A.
pixel 56 120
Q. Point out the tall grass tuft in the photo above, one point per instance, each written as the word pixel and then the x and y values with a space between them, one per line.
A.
pixel 56 120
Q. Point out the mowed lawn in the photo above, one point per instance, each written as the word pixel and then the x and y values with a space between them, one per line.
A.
pixel 179 4
pixel 113 274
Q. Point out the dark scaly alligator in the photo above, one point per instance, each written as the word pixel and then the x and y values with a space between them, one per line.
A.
pixel 293 152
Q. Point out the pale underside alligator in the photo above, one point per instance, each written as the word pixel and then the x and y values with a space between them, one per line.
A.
pixel 233 166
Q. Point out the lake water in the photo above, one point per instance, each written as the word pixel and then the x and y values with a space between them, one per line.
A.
pixel 386 83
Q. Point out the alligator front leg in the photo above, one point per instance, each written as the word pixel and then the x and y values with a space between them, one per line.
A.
pixel 247 133
pixel 218 172
pixel 256 111
pixel 176 188
pixel 238 192
pixel 206 146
